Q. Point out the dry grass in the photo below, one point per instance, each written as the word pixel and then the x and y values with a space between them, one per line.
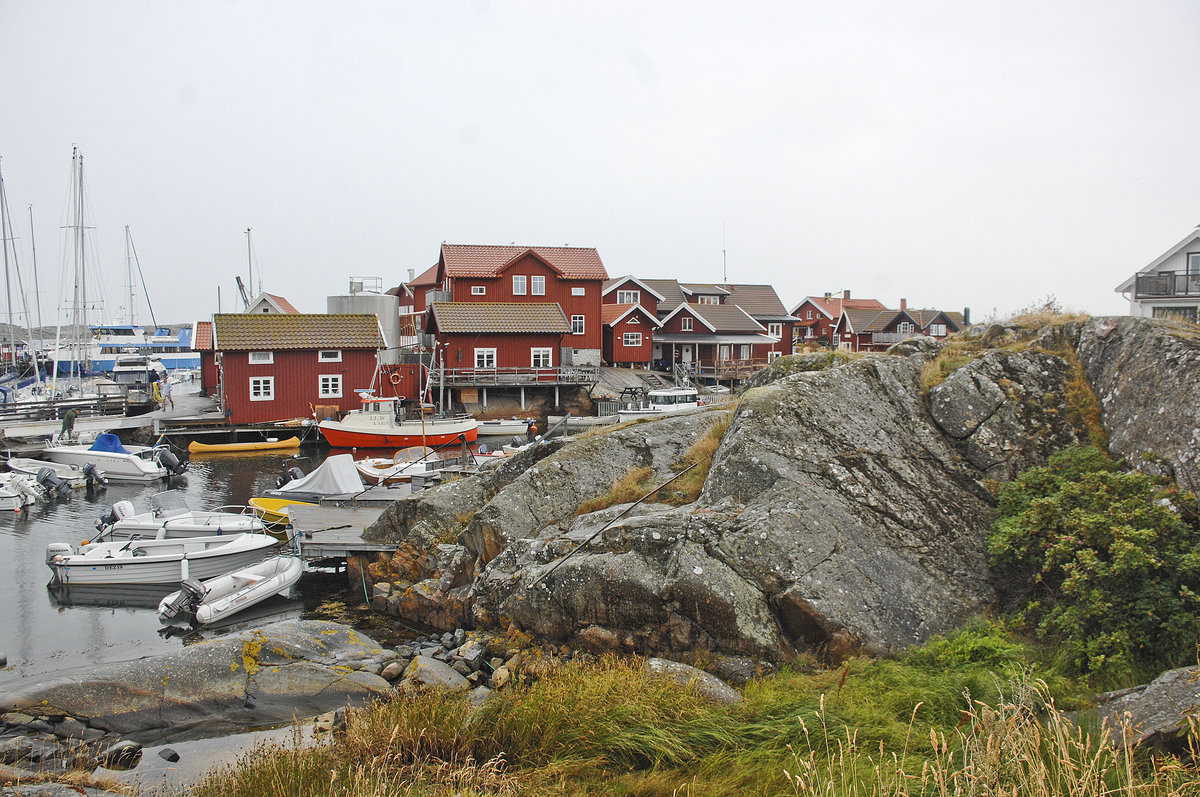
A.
pixel 628 488
pixel 687 488
pixel 953 357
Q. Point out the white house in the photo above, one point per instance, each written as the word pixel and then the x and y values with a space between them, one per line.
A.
pixel 1169 287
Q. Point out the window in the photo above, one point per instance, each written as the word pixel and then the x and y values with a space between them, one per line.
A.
pixel 772 356
pixel 329 356
pixel 518 284
pixel 632 339
pixel 708 300
pixel 578 292
pixel 629 297
pixel 485 358
pixel 808 314
pixel 576 325
pixel 937 330
pixel 1193 264
pixel 540 358
pixel 262 388
pixel 1176 313
pixel 905 328
pixel 812 331
pixel 685 323
pixel 262 357
pixel 775 330
pixel 633 320
pixel 744 351
pixel 723 351
pixel 537 285
pixel 478 290
pixel 330 386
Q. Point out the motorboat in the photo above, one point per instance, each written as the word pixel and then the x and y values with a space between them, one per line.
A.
pixel 336 476
pixel 273 511
pixel 664 401
pixel 400 467
pixel 505 427
pixel 225 595
pixel 170 517
pixel 18 491
pixel 118 461
pixel 576 422
pixel 168 561
pixel 382 423
pixel 270 444
pixel 73 476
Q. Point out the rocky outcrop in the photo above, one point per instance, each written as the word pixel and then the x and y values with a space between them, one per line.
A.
pixel 1145 373
pixel 250 679
pixel 1159 713
pixel 844 510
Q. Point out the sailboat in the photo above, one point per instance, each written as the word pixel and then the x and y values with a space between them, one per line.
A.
pixel 75 359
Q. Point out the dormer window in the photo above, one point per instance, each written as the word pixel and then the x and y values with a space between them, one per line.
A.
pixel 708 300
pixel 537 285
pixel 685 323
pixel 518 284
pixel 629 297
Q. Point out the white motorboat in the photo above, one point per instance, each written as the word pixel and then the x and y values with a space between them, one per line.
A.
pixel 169 561
pixel 170 517
pixel 17 491
pixel 580 421
pixel 337 475
pixel 401 467
pixel 664 401
pixel 381 424
pixel 218 598
pixel 121 462
pixel 73 476
pixel 506 427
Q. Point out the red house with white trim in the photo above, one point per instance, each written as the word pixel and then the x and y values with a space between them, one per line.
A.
pixel 818 315
pixel 628 334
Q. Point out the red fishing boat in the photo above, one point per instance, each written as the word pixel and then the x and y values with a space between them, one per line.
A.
pixel 384 423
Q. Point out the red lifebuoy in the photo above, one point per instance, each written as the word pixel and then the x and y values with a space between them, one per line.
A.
pixel 394 378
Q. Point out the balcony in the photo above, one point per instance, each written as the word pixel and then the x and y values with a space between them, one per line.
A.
pixel 1166 284
pixel 515 377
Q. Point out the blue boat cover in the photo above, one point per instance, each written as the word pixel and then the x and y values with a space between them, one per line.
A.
pixel 108 442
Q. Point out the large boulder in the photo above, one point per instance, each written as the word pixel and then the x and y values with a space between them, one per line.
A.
pixel 254 678
pixel 1159 713
pixel 1145 373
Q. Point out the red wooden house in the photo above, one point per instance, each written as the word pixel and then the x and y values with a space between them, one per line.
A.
pixel 763 305
pixel 202 341
pixel 710 339
pixel 818 315
pixel 631 290
pixel 628 334
pixel 875 330
pixel 274 367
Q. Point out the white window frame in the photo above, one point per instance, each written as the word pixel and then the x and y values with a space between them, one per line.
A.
pixel 744 351
pixel 486 355
pixel 260 357
pixel 906 328
pixel 808 314
pixel 937 330
pixel 772 356
pixel 579 291
pixel 329 355
pixel 326 389
pixel 265 388
pixel 629 297
pixel 537 285
pixel 633 320
pixel 631 340
pixel 685 323
pixel 578 324
pixel 546 354
pixel 775 329
pixel 723 351
pixel 479 290
pixel 518 284
pixel 708 300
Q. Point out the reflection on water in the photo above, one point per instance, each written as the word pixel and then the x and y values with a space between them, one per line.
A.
pixel 43 629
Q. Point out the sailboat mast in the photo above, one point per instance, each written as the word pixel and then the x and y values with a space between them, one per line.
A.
pixel 129 275
pixel 12 345
pixel 37 290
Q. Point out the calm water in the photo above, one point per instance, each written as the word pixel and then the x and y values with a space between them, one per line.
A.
pixel 42 630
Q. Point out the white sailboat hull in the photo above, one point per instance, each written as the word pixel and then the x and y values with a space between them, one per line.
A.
pixel 156 561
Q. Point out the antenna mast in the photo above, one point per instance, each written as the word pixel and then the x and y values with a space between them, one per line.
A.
pixel 249 263
pixel 724 267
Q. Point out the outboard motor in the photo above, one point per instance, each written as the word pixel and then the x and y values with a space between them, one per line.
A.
pixel 50 480
pixel 120 510
pixel 518 441
pixel 93 475
pixel 191 593
pixel 57 550
pixel 166 459
pixel 289 475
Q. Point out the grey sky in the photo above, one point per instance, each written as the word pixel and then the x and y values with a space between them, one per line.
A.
pixel 944 152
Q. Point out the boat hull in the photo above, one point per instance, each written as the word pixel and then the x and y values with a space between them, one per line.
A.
pixel 341 435
pixel 195 447
pixel 125 467
pixel 230 593
pixel 274 510
pixel 194 524
pixel 163 562
pixel 506 427
pixel 71 474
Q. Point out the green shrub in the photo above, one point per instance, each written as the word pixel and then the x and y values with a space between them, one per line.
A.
pixel 1099 562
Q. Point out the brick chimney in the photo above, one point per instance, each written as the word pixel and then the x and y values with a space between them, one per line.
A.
pixel 903 303
pixel 845 295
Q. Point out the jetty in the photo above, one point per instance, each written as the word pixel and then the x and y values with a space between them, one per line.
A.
pixel 328 532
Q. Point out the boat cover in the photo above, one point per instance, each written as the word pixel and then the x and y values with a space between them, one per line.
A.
pixel 335 476
pixel 108 442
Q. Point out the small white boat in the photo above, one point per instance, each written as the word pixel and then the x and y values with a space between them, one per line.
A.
pixel 580 421
pixel 218 598
pixel 505 427
pixel 336 476
pixel 170 517
pixel 73 476
pixel 664 401
pixel 17 492
pixel 155 561
pixel 118 461
pixel 404 464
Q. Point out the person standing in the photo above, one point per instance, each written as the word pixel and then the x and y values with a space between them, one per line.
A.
pixel 68 424
pixel 166 393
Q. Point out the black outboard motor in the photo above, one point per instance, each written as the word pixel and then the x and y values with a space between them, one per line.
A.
pixel 93 475
pixel 50 480
pixel 289 475
pixel 191 593
pixel 169 461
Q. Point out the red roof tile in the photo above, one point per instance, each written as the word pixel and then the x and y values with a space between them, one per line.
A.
pixel 202 338
pixel 284 305
pixel 468 260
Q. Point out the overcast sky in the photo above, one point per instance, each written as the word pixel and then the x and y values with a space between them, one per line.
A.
pixel 944 152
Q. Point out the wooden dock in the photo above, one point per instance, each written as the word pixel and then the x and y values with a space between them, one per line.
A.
pixel 335 532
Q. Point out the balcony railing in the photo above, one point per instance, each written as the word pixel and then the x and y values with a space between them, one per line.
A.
pixel 729 369
pixel 1166 284
pixel 477 377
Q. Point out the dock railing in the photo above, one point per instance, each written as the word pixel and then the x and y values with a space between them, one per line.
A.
pixel 470 377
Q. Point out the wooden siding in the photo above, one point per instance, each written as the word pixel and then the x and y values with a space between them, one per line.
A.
pixel 615 350
pixel 499 289
pixel 208 372
pixel 297 383
pixel 512 351
pixel 648 300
